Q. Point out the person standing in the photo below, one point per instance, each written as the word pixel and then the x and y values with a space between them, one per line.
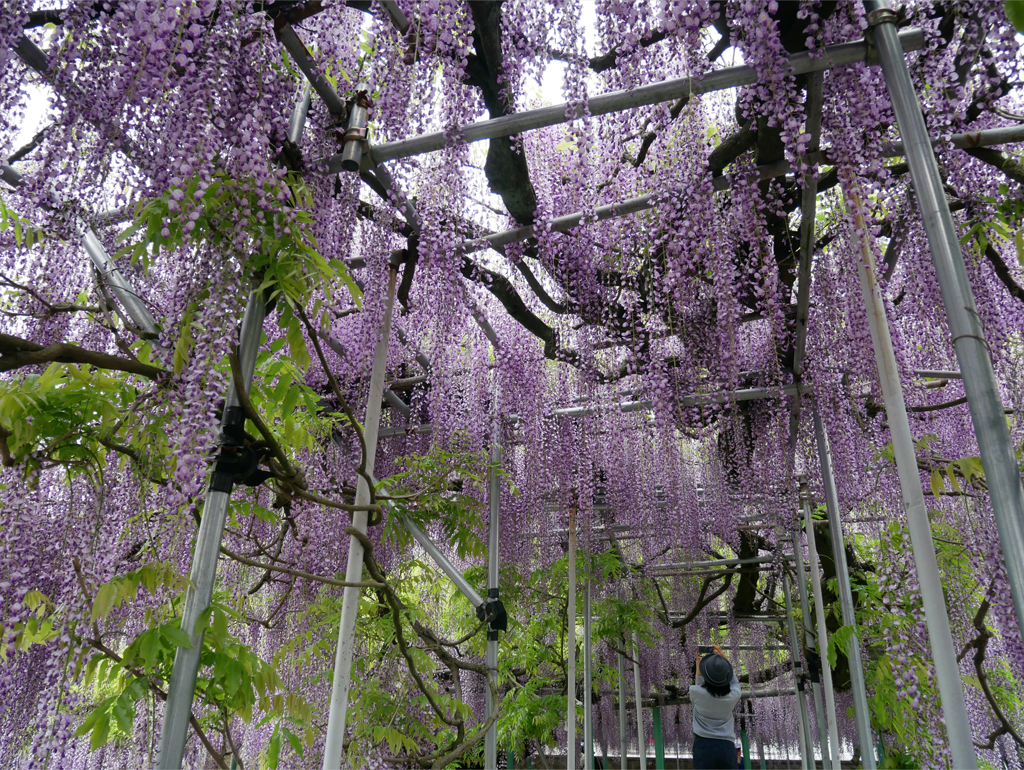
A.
pixel 714 695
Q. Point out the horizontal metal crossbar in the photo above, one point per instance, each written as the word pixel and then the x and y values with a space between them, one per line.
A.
pixel 717 563
pixel 779 692
pixel 781 168
pixel 725 397
pixel 617 101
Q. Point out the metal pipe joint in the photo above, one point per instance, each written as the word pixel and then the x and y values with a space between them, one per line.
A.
pixel 355 134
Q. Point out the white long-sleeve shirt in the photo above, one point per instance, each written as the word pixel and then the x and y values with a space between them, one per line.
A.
pixel 712 717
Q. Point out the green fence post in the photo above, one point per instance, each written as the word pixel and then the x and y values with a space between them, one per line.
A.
pixel 659 744
pixel 745 741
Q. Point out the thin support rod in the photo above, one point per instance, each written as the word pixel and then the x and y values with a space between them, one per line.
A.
pixel 806 744
pixel 860 697
pixel 617 101
pixel 719 184
pixel 302 59
pixel 808 216
pixel 638 693
pixel 691 565
pixel 997 451
pixel 623 742
pixel 940 637
pixel 493 552
pixel 781 692
pixel 112 277
pixel 588 684
pixel 398 17
pixel 726 397
pixel 297 123
pixel 442 561
pixel 119 286
pixel 808 207
pixel 570 643
pixel 335 737
pixel 398 404
pixel 819 612
pixel 809 643
pixel 203 574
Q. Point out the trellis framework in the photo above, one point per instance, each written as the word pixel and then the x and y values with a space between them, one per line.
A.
pixel 975 368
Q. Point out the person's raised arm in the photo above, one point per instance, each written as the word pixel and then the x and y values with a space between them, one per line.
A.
pixel 734 685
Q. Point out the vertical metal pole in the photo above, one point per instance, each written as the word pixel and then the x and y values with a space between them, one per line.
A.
pixel 604 750
pixel 493 538
pixel 809 642
pixel 570 643
pixel 354 569
pixel 679 747
pixel 997 452
pixel 806 744
pixel 203 574
pixel 623 743
pixel 639 701
pixel 819 611
pixel 835 524
pixel 745 743
pixel 588 685
pixel 297 123
pixel 659 742
pixel 819 717
pixel 940 637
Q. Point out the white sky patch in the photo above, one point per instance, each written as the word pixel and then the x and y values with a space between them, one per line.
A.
pixel 36 109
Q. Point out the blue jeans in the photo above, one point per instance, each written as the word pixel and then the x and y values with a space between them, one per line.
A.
pixel 713 753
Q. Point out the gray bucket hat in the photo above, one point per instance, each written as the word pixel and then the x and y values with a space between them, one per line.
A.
pixel 715 669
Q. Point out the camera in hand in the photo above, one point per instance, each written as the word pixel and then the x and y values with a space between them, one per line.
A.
pixel 705 649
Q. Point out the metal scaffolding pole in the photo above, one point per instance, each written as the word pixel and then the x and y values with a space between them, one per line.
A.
pixel 639 701
pixel 819 611
pixel 940 637
pixel 997 451
pixel 776 692
pixel 623 743
pixel 570 644
pixel 727 397
pixel 354 569
pixel 860 696
pixel 809 643
pixel 203 574
pixel 286 35
pixel 588 685
pixel 112 277
pixel 181 689
pixel 442 561
pixel 639 203
pixel 806 743
pixel 493 538
pixel 617 101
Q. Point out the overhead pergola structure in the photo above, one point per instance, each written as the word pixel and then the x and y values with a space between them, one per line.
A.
pixel 884 46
